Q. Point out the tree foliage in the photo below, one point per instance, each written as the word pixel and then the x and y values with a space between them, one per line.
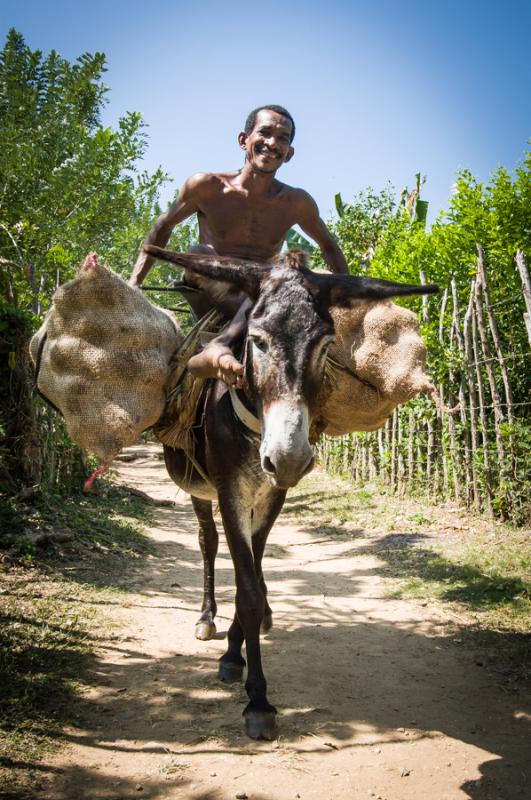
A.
pixel 380 238
pixel 68 185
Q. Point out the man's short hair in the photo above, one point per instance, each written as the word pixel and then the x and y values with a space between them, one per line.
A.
pixel 251 119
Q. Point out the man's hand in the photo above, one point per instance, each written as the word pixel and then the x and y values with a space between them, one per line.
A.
pixel 217 361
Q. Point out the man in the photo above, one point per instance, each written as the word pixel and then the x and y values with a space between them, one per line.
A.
pixel 245 214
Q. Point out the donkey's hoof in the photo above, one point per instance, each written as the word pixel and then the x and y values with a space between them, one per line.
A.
pixel 205 630
pixel 267 623
pixel 229 672
pixel 261 724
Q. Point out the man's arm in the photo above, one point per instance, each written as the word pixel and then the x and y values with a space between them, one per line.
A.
pixel 159 234
pixel 312 224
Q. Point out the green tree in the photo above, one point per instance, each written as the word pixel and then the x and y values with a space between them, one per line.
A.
pixel 68 185
pixel 361 225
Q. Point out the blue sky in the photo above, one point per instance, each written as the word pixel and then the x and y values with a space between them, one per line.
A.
pixel 378 90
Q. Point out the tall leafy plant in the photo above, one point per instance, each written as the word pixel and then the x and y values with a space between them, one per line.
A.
pixel 67 184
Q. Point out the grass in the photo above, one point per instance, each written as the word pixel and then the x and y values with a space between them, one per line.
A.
pixel 51 615
pixel 43 650
pixel 109 518
pixel 496 588
pixel 310 502
pixel 489 582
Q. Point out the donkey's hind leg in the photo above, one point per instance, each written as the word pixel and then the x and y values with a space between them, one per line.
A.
pixel 232 662
pixel 208 541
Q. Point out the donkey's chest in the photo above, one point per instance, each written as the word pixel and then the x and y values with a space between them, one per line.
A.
pixel 257 501
pixel 255 490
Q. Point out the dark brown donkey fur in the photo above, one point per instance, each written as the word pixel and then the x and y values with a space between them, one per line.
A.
pixel 284 353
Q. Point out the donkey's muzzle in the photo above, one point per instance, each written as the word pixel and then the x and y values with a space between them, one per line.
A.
pixel 286 454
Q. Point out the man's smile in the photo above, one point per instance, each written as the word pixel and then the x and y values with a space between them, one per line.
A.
pixel 265 152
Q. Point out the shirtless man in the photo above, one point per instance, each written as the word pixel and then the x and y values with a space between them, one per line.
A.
pixel 245 214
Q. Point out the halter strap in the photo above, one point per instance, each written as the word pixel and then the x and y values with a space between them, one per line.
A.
pixel 244 415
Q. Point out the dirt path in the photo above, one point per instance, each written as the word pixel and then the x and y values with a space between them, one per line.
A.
pixel 375 699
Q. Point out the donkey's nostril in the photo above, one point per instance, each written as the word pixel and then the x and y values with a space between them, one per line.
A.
pixel 268 466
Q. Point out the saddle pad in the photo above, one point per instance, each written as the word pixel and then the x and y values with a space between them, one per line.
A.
pixel 185 392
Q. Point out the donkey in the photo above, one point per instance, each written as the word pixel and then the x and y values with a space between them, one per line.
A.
pixel 254 443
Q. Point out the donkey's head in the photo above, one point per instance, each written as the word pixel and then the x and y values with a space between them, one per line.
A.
pixel 289 332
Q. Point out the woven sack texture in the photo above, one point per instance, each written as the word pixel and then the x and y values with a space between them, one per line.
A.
pixel 377 362
pixel 105 359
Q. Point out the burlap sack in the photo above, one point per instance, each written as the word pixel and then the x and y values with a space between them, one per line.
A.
pixel 376 363
pixel 102 356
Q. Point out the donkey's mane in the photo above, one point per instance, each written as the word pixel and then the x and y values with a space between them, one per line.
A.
pixel 294 259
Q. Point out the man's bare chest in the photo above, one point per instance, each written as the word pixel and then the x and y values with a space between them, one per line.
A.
pixel 231 213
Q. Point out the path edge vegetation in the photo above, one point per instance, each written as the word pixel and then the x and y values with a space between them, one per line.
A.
pixel 56 579
pixel 477 568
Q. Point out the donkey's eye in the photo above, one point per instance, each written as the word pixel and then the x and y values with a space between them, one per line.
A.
pixel 260 344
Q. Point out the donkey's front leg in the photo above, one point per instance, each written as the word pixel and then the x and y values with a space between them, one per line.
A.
pixel 259 543
pixel 260 715
pixel 208 541
pixel 250 605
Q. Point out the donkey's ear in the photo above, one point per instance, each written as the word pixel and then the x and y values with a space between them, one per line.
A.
pixel 340 289
pixel 243 275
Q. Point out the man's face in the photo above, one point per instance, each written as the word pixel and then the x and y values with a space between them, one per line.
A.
pixel 268 145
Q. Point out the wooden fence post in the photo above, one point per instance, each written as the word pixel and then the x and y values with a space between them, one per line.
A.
pixel 400 470
pixel 393 450
pixel 441 414
pixel 387 441
pixel 482 275
pixel 526 284
pixel 373 467
pixel 381 451
pixel 489 368
pixel 410 455
pixel 482 410
pixel 472 395
pixel 455 334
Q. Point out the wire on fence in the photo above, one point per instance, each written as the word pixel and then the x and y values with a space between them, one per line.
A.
pixel 462 312
pixel 506 358
pixel 510 357
pixel 497 405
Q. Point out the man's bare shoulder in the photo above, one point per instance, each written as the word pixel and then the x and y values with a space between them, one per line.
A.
pixel 300 198
pixel 206 182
